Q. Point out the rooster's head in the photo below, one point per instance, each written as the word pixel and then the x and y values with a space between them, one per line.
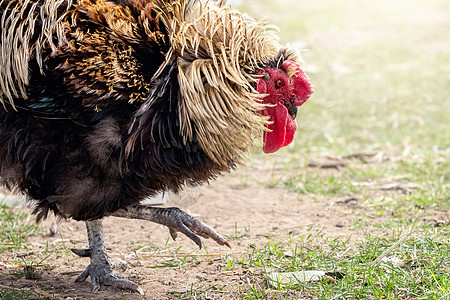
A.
pixel 287 87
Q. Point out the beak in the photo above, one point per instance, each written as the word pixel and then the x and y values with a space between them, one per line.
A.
pixel 292 110
pixel 291 107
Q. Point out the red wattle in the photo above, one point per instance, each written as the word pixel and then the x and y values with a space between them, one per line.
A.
pixel 282 129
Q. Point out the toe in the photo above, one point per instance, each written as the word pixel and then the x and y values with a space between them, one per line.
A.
pixel 83 276
pixel 123 284
pixel 95 284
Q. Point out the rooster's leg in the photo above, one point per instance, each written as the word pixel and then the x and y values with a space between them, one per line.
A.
pixel 100 269
pixel 175 219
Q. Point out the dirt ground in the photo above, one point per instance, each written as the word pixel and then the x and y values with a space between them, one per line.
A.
pixel 230 204
pixel 226 204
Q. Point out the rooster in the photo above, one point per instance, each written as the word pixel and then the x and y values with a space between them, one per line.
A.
pixel 108 102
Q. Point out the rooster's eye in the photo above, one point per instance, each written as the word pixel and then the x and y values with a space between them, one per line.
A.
pixel 279 83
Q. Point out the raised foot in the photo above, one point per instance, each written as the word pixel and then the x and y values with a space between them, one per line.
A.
pixel 179 220
pixel 102 276
pixel 174 218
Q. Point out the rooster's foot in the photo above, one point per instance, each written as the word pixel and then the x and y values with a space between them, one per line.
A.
pixel 100 268
pixel 101 275
pixel 177 221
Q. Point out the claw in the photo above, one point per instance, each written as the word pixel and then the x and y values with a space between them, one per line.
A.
pixel 82 252
pixel 173 233
pixel 205 231
pixel 140 291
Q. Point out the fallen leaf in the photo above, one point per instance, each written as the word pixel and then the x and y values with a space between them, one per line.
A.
pixel 406 188
pixel 351 201
pixel 288 278
pixel 327 163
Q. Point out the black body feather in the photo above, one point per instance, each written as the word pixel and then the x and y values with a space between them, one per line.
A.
pixel 95 134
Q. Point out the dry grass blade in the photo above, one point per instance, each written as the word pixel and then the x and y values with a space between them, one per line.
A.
pixel 391 248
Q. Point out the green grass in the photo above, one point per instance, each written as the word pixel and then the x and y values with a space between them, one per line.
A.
pixel 14 228
pixel 423 272
pixel 417 267
pixel 13 294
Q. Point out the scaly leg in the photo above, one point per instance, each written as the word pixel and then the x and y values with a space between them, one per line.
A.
pixel 175 219
pixel 100 268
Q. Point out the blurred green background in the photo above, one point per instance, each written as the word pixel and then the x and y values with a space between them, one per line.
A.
pixel 382 87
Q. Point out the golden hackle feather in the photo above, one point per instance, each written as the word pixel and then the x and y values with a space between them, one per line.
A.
pixel 217 51
pixel 16 43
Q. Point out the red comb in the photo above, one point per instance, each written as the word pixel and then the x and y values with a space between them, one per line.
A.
pixel 301 83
